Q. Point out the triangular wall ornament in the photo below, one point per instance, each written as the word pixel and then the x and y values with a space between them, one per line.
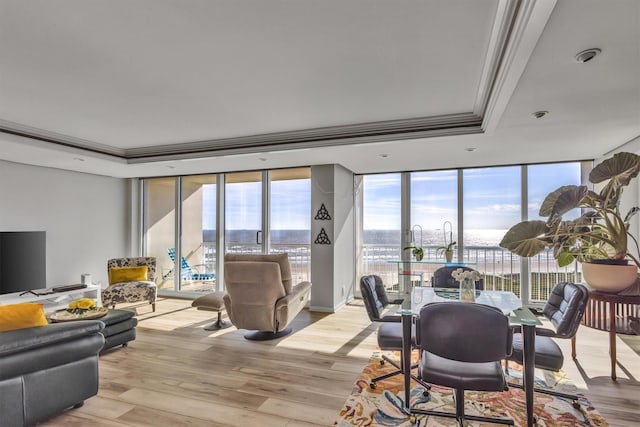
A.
pixel 323 214
pixel 322 239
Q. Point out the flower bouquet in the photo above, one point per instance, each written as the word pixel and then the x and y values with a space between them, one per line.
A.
pixel 460 274
pixel 467 281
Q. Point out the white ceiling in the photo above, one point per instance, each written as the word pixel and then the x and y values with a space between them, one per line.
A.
pixel 160 87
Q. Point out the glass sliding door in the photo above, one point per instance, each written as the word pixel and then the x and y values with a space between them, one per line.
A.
pixel 290 218
pixel 159 230
pixel 243 212
pixel 198 233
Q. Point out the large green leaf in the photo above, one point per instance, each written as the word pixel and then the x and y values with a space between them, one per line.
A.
pixel 619 170
pixel 526 238
pixel 622 167
pixel 563 200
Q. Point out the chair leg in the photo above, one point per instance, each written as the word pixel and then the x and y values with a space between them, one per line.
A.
pixel 575 400
pixel 460 415
pixel 398 371
pixel 153 307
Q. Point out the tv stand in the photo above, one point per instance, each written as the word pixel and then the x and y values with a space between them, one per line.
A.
pixel 28 292
pixel 51 300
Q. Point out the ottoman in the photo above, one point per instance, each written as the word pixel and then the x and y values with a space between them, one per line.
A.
pixel 119 329
pixel 212 302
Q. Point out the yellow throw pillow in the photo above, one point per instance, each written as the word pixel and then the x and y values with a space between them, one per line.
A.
pixel 128 274
pixel 20 316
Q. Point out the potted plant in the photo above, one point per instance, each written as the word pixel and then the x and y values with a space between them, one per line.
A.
pixel 447 250
pixel 598 239
pixel 416 251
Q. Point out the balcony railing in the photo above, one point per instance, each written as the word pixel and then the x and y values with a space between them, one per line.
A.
pixel 500 267
pixel 299 256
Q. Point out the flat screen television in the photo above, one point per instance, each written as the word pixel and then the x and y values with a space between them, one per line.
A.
pixel 23 261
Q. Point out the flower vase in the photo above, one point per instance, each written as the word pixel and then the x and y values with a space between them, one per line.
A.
pixel 467 290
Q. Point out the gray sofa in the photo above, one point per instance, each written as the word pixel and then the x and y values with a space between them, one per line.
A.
pixel 47 369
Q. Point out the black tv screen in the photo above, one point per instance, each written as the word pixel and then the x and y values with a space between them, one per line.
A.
pixel 23 261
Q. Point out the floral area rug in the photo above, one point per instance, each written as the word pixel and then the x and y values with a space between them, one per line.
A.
pixel 384 406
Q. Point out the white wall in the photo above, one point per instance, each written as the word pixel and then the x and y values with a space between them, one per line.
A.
pixel 332 266
pixel 87 217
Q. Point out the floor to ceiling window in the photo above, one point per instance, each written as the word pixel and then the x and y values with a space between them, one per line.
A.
pixel 243 212
pixel 542 180
pixel 290 218
pixel 433 216
pixel 491 201
pixel 262 211
pixel 434 210
pixel 159 220
pixel 380 198
pixel 198 233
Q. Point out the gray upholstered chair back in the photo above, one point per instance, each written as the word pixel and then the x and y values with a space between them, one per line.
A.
pixel 565 307
pixel 464 332
pixel 282 260
pixel 442 277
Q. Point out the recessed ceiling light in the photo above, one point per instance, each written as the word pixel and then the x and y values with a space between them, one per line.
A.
pixel 170 167
pixel 384 156
pixel 470 149
pixel 539 114
pixel 78 159
pixel 262 159
pixel 587 55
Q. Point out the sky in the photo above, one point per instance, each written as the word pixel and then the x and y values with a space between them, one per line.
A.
pixel 492 199
pixel 290 205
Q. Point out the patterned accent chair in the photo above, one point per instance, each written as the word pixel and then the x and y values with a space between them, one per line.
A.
pixel 143 290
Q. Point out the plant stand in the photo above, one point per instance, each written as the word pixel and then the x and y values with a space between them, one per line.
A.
pixel 609 312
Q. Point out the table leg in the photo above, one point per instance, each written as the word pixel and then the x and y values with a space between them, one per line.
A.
pixel 406 356
pixel 573 347
pixel 612 338
pixel 529 344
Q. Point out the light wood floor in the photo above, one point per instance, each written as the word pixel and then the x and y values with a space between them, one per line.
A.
pixel 177 374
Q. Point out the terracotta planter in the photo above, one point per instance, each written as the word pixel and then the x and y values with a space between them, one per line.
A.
pixel 609 278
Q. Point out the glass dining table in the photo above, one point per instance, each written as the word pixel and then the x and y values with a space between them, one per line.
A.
pixel 510 305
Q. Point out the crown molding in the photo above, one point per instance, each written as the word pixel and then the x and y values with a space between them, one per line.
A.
pixel 17 129
pixel 361 133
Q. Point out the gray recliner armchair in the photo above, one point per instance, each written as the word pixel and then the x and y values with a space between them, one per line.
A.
pixel 47 369
pixel 261 295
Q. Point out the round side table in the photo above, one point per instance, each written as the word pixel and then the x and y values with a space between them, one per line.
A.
pixel 610 312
